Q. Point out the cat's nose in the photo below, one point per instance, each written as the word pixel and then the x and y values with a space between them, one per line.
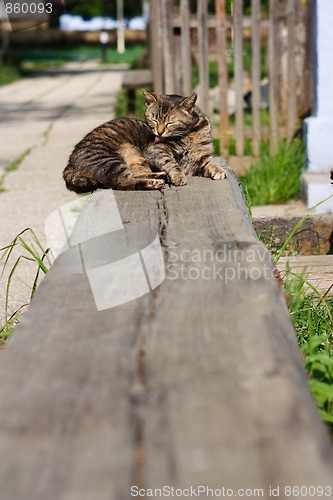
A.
pixel 160 129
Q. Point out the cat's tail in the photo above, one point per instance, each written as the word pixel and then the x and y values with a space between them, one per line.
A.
pixel 79 182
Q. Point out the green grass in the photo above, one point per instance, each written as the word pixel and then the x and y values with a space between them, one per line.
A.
pixel 9 73
pixel 312 317
pixel 121 104
pixel 27 61
pixel 275 178
pixel 13 165
pixel 31 250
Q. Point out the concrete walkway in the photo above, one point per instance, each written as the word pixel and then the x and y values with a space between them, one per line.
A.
pixel 44 117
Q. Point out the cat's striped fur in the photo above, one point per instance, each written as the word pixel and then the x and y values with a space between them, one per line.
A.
pixel 125 153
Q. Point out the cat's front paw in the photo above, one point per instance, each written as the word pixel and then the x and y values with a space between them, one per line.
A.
pixel 215 172
pixel 177 178
pixel 154 184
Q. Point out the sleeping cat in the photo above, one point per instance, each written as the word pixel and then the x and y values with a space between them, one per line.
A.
pixel 126 153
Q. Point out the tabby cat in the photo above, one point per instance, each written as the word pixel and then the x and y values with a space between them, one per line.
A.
pixel 126 153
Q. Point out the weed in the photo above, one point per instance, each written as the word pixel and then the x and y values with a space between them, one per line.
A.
pixel 312 317
pixel 14 165
pixel 275 178
pixel 9 73
pixel 34 252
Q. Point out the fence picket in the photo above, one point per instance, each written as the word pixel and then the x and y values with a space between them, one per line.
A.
pixel 238 68
pixel 203 55
pixel 273 64
pixel 292 104
pixel 186 47
pixel 221 52
pixel 169 75
pixel 256 70
pixel 155 46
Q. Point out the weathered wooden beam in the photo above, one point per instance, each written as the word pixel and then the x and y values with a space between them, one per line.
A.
pixel 199 382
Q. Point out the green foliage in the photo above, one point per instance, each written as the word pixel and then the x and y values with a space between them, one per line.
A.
pixel 121 104
pixel 312 317
pixel 275 178
pixel 9 73
pixel 31 60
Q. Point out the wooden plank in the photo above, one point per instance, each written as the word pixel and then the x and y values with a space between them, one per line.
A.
pixel 238 68
pixel 256 76
pixel 186 57
pixel 199 382
pixel 273 64
pixel 221 52
pixel 134 78
pixel 155 45
pixel 316 269
pixel 203 55
pixel 167 45
pixel 291 92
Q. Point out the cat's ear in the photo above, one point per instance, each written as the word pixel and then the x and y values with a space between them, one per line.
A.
pixel 150 97
pixel 189 102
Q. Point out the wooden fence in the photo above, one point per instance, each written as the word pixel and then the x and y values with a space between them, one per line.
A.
pixel 269 52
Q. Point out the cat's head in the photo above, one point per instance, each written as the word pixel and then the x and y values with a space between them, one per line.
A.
pixel 170 116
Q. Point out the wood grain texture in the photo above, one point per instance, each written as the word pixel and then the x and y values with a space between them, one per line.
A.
pixel 199 382
pixel 317 270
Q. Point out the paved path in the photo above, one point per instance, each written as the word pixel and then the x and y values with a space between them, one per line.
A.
pixel 45 117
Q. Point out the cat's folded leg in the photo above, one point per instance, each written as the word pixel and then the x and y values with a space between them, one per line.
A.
pixel 161 158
